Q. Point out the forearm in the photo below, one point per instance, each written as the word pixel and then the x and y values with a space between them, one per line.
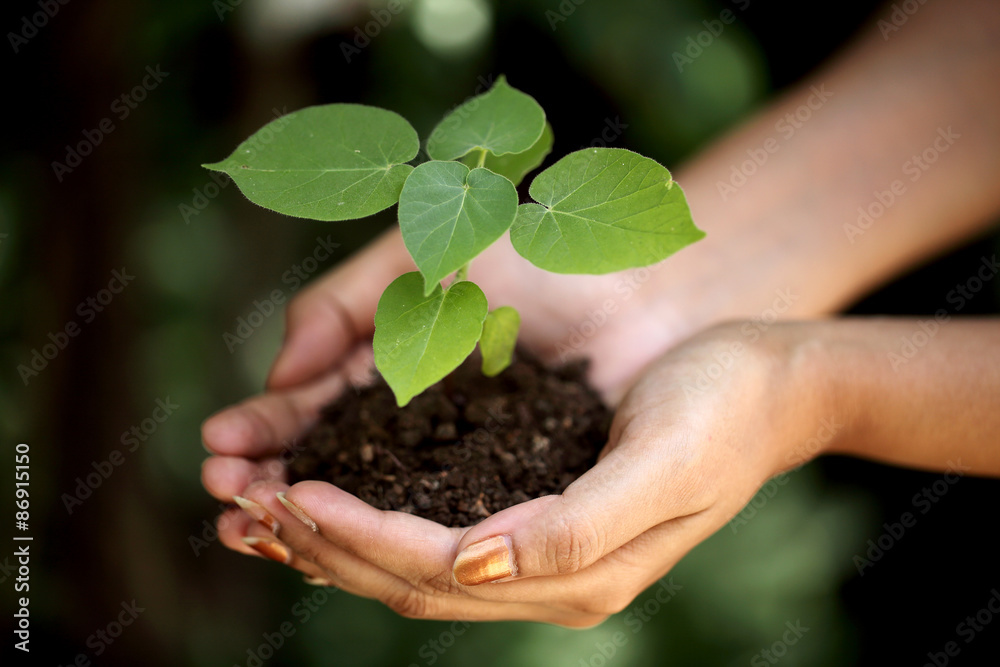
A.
pixel 921 393
pixel 798 197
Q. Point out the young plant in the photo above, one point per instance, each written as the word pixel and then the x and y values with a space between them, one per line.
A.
pixel 598 210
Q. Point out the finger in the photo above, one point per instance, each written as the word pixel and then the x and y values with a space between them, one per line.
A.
pixel 263 425
pixel 359 577
pixel 241 532
pixel 401 560
pixel 612 583
pixel 226 476
pixel 327 319
pixel 628 492
pixel 269 547
pixel 232 526
pixel 351 573
pixel 421 551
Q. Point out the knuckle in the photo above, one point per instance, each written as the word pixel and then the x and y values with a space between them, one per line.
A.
pixel 615 603
pixel 601 604
pixel 309 551
pixel 573 543
pixel 260 425
pixel 332 309
pixel 441 583
pixel 297 308
pixel 407 602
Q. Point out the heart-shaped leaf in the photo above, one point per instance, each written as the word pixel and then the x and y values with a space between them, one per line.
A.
pixel 420 339
pixel 603 210
pixel 332 162
pixel 449 214
pixel 499 339
pixel 516 166
pixel 502 120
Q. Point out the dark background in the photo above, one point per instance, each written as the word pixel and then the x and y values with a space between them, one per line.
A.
pixel 145 533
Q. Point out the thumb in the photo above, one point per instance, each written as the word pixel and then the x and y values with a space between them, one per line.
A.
pixel 607 507
pixel 328 318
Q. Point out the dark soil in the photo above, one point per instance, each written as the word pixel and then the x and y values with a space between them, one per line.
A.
pixel 466 448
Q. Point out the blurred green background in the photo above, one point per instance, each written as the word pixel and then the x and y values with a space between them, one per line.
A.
pixel 201 256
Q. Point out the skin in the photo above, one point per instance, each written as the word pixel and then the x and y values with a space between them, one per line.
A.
pixel 686 451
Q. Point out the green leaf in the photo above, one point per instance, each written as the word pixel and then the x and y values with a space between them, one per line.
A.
pixel 516 166
pixel 499 338
pixel 449 214
pixel 502 120
pixel 603 210
pixel 332 162
pixel 420 339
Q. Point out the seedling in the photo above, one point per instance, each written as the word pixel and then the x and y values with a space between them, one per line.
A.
pixel 598 210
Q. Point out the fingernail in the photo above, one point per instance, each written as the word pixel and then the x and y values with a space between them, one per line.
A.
pixel 269 549
pixel 317 581
pixel 258 512
pixel 297 512
pixel 488 560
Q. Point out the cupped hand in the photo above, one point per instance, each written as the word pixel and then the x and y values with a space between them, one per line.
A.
pixel 327 343
pixel 699 432
pixel 619 321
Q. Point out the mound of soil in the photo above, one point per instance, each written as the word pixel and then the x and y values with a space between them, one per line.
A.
pixel 467 447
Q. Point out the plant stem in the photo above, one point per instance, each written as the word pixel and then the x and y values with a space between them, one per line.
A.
pixel 482 157
pixel 463 273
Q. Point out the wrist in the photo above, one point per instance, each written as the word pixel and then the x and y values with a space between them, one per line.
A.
pixel 824 415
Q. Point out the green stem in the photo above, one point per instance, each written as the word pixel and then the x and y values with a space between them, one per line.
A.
pixel 482 157
pixel 463 273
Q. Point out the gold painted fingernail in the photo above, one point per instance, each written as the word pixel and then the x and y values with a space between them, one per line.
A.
pixel 272 549
pixel 317 581
pixel 257 511
pixel 297 512
pixel 485 561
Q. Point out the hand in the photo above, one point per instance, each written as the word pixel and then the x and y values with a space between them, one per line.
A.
pixel 683 457
pixel 620 321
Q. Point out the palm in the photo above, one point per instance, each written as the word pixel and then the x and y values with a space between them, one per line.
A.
pixel 604 318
